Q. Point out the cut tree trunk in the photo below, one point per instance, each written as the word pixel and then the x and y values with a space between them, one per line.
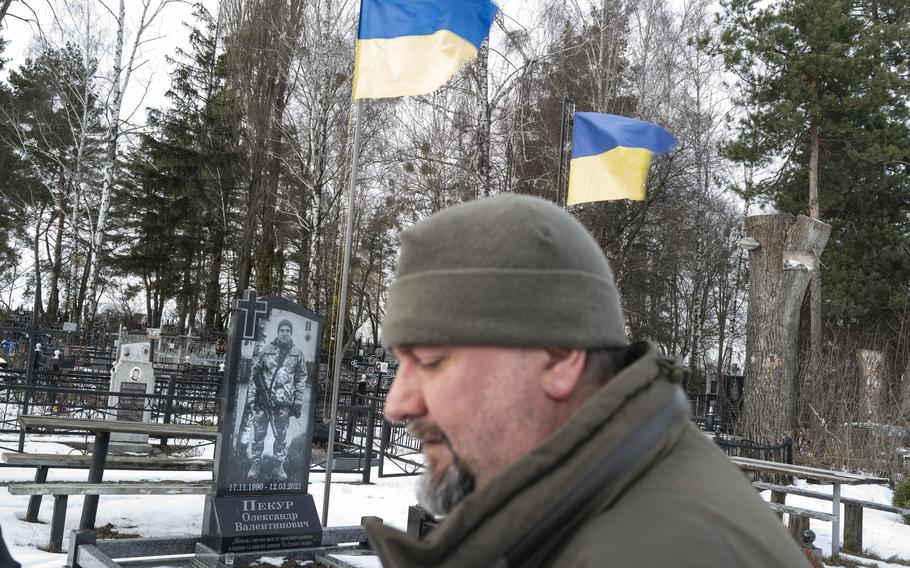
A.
pixel 779 274
pixel 872 386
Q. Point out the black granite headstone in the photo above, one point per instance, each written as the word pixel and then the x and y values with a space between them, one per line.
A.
pixel 262 459
pixel 132 407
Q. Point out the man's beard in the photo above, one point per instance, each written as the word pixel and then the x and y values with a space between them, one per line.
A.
pixel 439 494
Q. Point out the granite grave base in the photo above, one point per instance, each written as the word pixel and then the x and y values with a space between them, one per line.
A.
pixel 210 559
pixel 261 523
pixel 349 558
pixel 87 552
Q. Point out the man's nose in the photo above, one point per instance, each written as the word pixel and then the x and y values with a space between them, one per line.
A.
pixel 405 398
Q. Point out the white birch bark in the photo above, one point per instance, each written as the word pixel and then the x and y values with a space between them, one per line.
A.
pixel 4 6
pixel 121 79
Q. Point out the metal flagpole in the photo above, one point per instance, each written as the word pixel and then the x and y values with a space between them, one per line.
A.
pixel 342 305
pixel 561 155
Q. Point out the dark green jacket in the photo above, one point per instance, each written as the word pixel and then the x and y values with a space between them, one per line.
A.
pixel 6 561
pixel 626 482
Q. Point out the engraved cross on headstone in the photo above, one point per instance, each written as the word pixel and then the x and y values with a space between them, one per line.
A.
pixel 253 309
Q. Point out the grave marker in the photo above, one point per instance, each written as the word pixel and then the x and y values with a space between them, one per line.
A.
pixel 262 459
pixel 132 374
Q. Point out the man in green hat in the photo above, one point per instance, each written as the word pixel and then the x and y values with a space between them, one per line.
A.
pixel 549 440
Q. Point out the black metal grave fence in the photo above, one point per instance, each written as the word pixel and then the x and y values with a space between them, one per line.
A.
pixel 179 396
pixel 189 394
pixel 362 432
pixel 782 453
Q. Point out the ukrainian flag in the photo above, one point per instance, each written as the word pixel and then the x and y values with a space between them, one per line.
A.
pixel 611 156
pixel 412 47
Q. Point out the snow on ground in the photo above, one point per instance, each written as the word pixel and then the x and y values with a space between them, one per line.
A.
pixel 875 563
pixel 884 534
pixel 272 561
pixel 176 515
pixel 359 561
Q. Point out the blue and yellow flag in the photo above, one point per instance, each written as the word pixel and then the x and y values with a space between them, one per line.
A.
pixel 412 47
pixel 611 156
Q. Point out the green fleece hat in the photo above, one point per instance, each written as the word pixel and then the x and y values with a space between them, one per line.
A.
pixel 509 271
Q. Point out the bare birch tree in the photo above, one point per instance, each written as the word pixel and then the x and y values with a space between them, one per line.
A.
pixel 317 127
pixel 127 57
pixel 3 8
pixel 61 140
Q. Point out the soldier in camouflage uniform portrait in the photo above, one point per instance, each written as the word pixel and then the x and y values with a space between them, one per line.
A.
pixel 275 394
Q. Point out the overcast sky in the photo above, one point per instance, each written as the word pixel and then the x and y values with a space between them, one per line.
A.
pixel 152 79
pixel 150 82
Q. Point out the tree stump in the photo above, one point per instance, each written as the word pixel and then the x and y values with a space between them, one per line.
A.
pixel 872 383
pixel 779 268
pixel 853 528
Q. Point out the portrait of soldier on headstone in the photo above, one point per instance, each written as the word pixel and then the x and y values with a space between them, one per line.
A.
pixel 275 395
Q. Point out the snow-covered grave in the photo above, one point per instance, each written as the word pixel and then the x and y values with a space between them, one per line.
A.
pixel 174 515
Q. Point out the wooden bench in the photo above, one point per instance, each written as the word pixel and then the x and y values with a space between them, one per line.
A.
pixel 102 430
pixel 835 478
pixel 61 490
pixel 853 511
pixel 43 463
pixel 799 512
pixel 80 461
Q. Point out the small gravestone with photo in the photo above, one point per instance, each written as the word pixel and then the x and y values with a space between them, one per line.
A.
pixel 262 459
pixel 132 375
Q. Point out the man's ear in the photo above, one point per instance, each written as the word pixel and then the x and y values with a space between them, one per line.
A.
pixel 563 373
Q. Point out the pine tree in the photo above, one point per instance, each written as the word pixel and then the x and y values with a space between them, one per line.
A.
pixel 833 69
pixel 11 217
pixel 824 92
pixel 795 70
pixel 54 126
pixel 185 176
pixel 152 227
pixel 870 268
